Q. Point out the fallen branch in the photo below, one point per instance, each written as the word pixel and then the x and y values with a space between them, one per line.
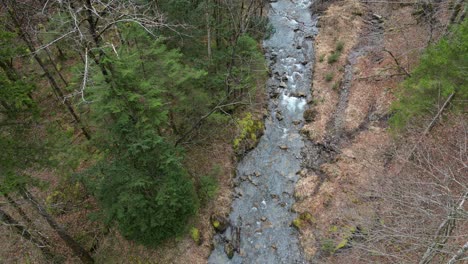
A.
pixel 459 254
pixel 397 62
pixel 443 232
pixel 429 127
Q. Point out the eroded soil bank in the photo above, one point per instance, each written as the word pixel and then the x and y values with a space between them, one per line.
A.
pixel 363 51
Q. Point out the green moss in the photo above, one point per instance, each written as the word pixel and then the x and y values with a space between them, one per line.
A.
pixel 333 229
pixel 328 246
pixel 195 235
pixel 297 223
pixel 248 131
pixel 342 244
pixel 307 217
pixel 216 224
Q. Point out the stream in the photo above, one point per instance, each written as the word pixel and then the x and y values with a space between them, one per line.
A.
pixel 260 221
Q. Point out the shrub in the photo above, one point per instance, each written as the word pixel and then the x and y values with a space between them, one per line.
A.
pixel 334 57
pixel 336 85
pixel 148 194
pixel 322 58
pixel 328 246
pixel 329 77
pixel 208 186
pixel 339 46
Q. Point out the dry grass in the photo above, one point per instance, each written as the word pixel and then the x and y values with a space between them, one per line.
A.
pixel 340 22
pixel 343 200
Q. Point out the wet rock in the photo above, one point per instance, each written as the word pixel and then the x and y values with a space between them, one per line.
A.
pixel 279 116
pixel 299 94
pixel 251 181
pixel 229 250
pixel 310 115
pixel 220 223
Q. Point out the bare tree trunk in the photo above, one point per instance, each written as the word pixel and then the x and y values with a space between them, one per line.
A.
pixel 77 249
pixel 24 232
pixel 55 67
pixel 208 32
pixel 25 36
pixel 460 253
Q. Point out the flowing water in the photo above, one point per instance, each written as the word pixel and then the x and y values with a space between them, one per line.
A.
pixel 260 221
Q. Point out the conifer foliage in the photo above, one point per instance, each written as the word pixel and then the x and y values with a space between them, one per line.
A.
pixel 440 75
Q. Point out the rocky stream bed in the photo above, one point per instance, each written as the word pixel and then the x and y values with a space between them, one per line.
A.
pixel 260 229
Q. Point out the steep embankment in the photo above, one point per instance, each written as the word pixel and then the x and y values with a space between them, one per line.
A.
pixel 363 51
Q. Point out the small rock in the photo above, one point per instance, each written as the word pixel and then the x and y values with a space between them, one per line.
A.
pixel 303 173
pixel 279 116
pixel 283 147
pixel 282 84
pixel 297 122
pixel 229 250
pixel 251 181
pixel 299 94
pixel 219 223
pixel 274 247
pixel 378 17
pixel 263 219
pixel 257 174
pixel 310 115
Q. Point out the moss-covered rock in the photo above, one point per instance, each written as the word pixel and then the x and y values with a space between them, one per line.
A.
pixel 302 220
pixel 229 250
pixel 250 131
pixel 297 223
pixel 219 223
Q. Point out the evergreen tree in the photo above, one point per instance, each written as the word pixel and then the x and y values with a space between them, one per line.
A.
pixel 140 182
pixel 442 71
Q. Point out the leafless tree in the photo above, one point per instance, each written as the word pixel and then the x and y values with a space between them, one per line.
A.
pixel 422 216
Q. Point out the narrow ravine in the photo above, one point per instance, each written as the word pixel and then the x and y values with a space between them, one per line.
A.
pixel 260 221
